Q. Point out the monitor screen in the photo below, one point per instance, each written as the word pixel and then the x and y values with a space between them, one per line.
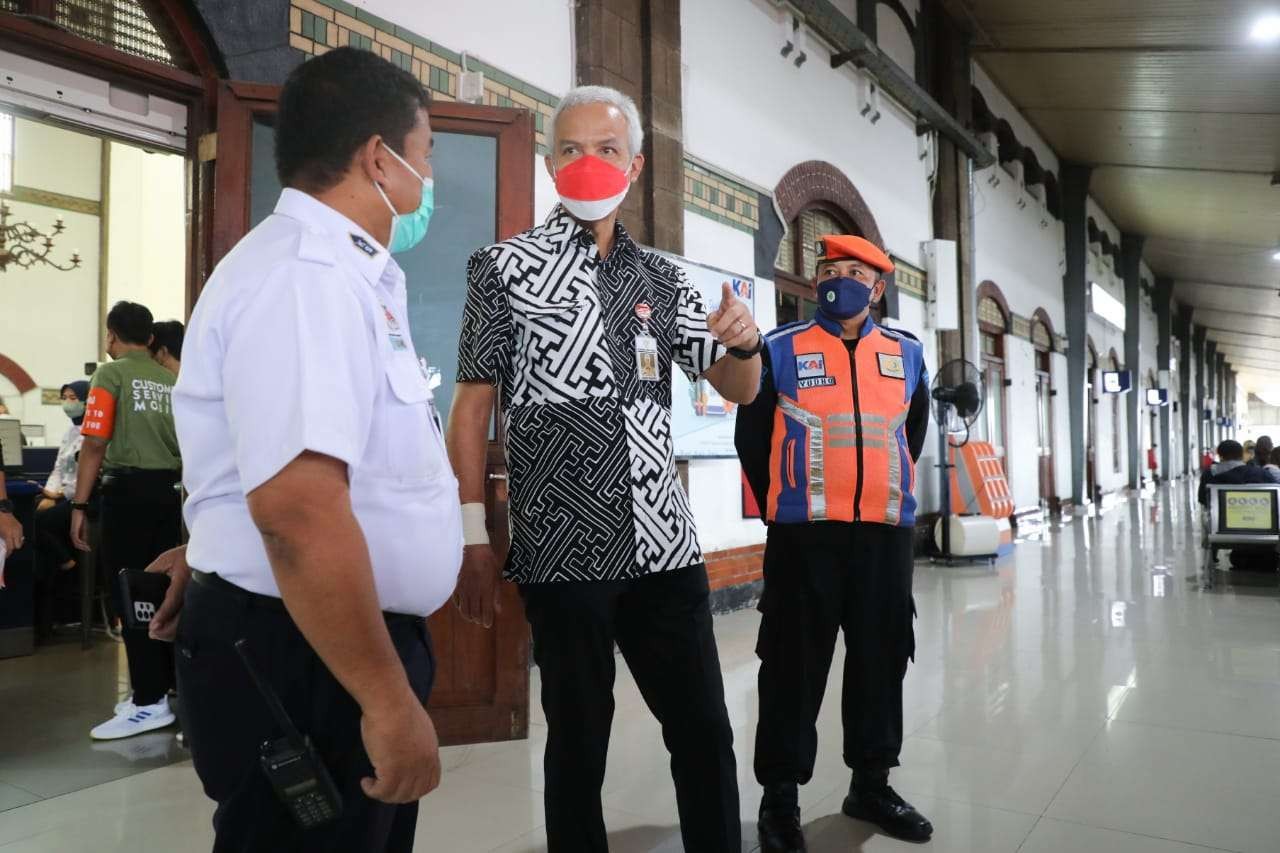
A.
pixel 1115 381
pixel 10 443
pixel 1254 511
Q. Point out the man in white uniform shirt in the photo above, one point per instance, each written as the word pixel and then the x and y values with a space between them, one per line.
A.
pixel 324 517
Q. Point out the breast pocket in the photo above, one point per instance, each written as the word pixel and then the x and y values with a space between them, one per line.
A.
pixel 413 443
pixel 561 352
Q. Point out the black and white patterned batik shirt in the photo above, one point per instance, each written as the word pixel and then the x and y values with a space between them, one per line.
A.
pixel 594 493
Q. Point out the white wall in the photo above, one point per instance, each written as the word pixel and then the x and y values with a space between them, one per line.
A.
pixel 532 41
pixel 50 321
pixel 1105 338
pixel 49 318
pixel 147 231
pixel 759 115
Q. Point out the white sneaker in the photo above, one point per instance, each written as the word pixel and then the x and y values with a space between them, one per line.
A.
pixel 135 720
pixel 123 705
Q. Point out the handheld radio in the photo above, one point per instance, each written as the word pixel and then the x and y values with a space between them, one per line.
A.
pixel 291 763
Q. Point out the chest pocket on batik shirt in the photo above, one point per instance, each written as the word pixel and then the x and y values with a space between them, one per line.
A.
pixel 561 353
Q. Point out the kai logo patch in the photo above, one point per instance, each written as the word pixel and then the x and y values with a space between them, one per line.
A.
pixel 364 245
pixel 811 365
pixel 811 371
pixel 891 366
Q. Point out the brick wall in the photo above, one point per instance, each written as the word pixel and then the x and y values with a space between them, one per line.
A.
pixel 735 566
pixel 634 46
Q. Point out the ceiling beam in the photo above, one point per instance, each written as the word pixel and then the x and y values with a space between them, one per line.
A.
pixel 1233 284
pixel 1113 48
pixel 1267 172
pixel 1219 330
pixel 1208 310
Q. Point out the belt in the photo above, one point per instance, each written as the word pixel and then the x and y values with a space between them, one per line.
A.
pixel 217 583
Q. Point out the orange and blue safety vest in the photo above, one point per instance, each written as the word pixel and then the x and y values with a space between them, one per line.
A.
pixel 839 449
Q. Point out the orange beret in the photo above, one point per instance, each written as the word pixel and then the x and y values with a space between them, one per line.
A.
pixel 845 247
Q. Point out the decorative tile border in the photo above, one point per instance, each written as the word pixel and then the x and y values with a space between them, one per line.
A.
pixel 58 201
pixel 316 26
pixel 720 197
pixel 909 278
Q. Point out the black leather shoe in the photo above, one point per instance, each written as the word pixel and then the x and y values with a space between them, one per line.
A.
pixel 779 824
pixel 881 805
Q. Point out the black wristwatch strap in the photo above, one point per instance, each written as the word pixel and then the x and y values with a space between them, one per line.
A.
pixel 78 505
pixel 6 505
pixel 746 354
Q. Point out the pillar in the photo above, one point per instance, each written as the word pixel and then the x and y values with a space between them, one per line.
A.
pixel 949 79
pixel 1211 369
pixel 1131 269
pixel 634 46
pixel 1164 354
pixel 1075 295
pixel 1202 382
pixel 1219 395
pixel 1182 329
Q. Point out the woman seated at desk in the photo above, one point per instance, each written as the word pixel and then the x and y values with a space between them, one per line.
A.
pixel 53 512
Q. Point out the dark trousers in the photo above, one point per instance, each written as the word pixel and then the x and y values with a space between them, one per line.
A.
pixel 141 519
pixel 52 529
pixel 53 537
pixel 662 625
pixel 226 720
pixel 819 579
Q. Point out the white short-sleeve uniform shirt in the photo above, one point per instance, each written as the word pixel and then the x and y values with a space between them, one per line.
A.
pixel 300 342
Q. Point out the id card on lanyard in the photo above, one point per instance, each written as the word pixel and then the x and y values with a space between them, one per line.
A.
pixel 646 346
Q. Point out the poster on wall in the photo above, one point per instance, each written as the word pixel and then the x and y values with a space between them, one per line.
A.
pixel 702 421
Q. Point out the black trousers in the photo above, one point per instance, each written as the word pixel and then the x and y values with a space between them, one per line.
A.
pixel 819 579
pixel 141 518
pixel 53 537
pixel 662 625
pixel 226 720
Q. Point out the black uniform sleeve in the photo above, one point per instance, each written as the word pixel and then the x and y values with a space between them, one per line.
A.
pixel 918 417
pixel 753 434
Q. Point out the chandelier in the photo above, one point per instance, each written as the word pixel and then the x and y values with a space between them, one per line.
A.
pixel 22 244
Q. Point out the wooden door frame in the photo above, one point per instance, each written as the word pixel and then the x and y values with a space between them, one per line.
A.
pixel 238 105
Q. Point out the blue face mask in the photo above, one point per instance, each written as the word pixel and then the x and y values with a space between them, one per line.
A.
pixel 842 298
pixel 407 230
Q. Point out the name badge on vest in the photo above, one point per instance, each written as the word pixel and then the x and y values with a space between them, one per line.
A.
pixel 811 371
pixel 891 366
pixel 646 358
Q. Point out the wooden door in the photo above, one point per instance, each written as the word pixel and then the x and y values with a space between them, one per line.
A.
pixel 1044 430
pixel 483 164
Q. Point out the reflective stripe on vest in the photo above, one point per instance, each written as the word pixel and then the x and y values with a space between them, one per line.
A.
pixel 839 452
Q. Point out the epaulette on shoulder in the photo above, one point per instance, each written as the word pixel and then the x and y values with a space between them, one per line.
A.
pixel 899 334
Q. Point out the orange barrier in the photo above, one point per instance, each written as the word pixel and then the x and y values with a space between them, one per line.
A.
pixel 978 483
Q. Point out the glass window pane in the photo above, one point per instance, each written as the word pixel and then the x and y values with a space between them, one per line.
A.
pixel 466 186
pixel 465 219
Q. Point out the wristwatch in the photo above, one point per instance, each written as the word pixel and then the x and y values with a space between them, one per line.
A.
pixel 6 505
pixel 746 354
pixel 82 506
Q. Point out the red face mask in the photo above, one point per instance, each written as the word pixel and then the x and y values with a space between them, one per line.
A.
pixel 591 188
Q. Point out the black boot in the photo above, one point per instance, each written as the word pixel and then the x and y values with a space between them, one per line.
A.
pixel 871 799
pixel 780 820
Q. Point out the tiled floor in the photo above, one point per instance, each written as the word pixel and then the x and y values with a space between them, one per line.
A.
pixel 1086 696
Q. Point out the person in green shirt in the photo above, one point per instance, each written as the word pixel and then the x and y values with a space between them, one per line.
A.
pixel 129 439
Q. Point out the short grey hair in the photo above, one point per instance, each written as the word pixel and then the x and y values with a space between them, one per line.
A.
pixel 582 95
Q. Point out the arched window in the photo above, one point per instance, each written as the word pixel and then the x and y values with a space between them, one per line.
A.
pixel 815 198
pixel 1042 340
pixel 1091 384
pixel 1115 420
pixel 993 325
pixel 797 261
